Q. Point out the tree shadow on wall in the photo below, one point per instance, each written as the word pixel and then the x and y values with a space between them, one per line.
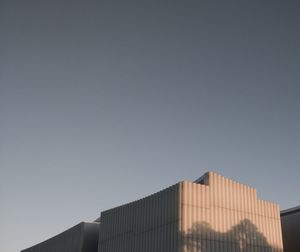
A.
pixel 243 237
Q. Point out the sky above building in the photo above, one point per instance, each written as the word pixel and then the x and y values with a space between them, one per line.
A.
pixel 105 102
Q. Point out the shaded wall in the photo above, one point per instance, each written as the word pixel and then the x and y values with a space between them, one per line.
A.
pixel 146 225
pixel 80 238
pixel 290 222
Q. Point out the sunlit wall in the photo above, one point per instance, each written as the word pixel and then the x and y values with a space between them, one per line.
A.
pixel 219 214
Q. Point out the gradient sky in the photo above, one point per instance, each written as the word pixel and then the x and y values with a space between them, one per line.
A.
pixel 104 102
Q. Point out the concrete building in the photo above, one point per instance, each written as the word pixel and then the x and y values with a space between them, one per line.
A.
pixel 290 222
pixel 212 214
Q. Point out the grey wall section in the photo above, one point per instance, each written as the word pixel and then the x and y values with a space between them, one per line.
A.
pixel 290 222
pixel 146 225
pixel 90 236
pixel 80 238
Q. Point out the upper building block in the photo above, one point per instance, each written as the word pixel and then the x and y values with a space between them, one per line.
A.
pixel 212 214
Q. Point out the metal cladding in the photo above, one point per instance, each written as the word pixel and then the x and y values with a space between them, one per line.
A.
pixel 80 238
pixel 212 214
pixel 219 214
pixel 290 221
pixel 149 224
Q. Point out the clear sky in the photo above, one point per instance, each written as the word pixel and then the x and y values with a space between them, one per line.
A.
pixel 104 102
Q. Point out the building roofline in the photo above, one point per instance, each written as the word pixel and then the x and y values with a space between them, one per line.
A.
pixel 79 225
pixel 290 210
pixel 198 180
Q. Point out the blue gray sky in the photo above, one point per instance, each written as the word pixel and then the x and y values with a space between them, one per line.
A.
pixel 104 102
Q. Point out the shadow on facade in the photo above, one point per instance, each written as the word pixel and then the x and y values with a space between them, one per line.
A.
pixel 243 237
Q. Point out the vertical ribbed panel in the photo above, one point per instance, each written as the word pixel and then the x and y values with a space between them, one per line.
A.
pixel 80 238
pixel 147 225
pixel 219 215
pixel 224 215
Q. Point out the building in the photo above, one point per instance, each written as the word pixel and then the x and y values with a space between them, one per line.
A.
pixel 81 238
pixel 290 222
pixel 212 214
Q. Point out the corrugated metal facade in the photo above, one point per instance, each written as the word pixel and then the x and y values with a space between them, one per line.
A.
pixel 219 215
pixel 223 215
pixel 213 214
pixel 80 238
pixel 146 225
